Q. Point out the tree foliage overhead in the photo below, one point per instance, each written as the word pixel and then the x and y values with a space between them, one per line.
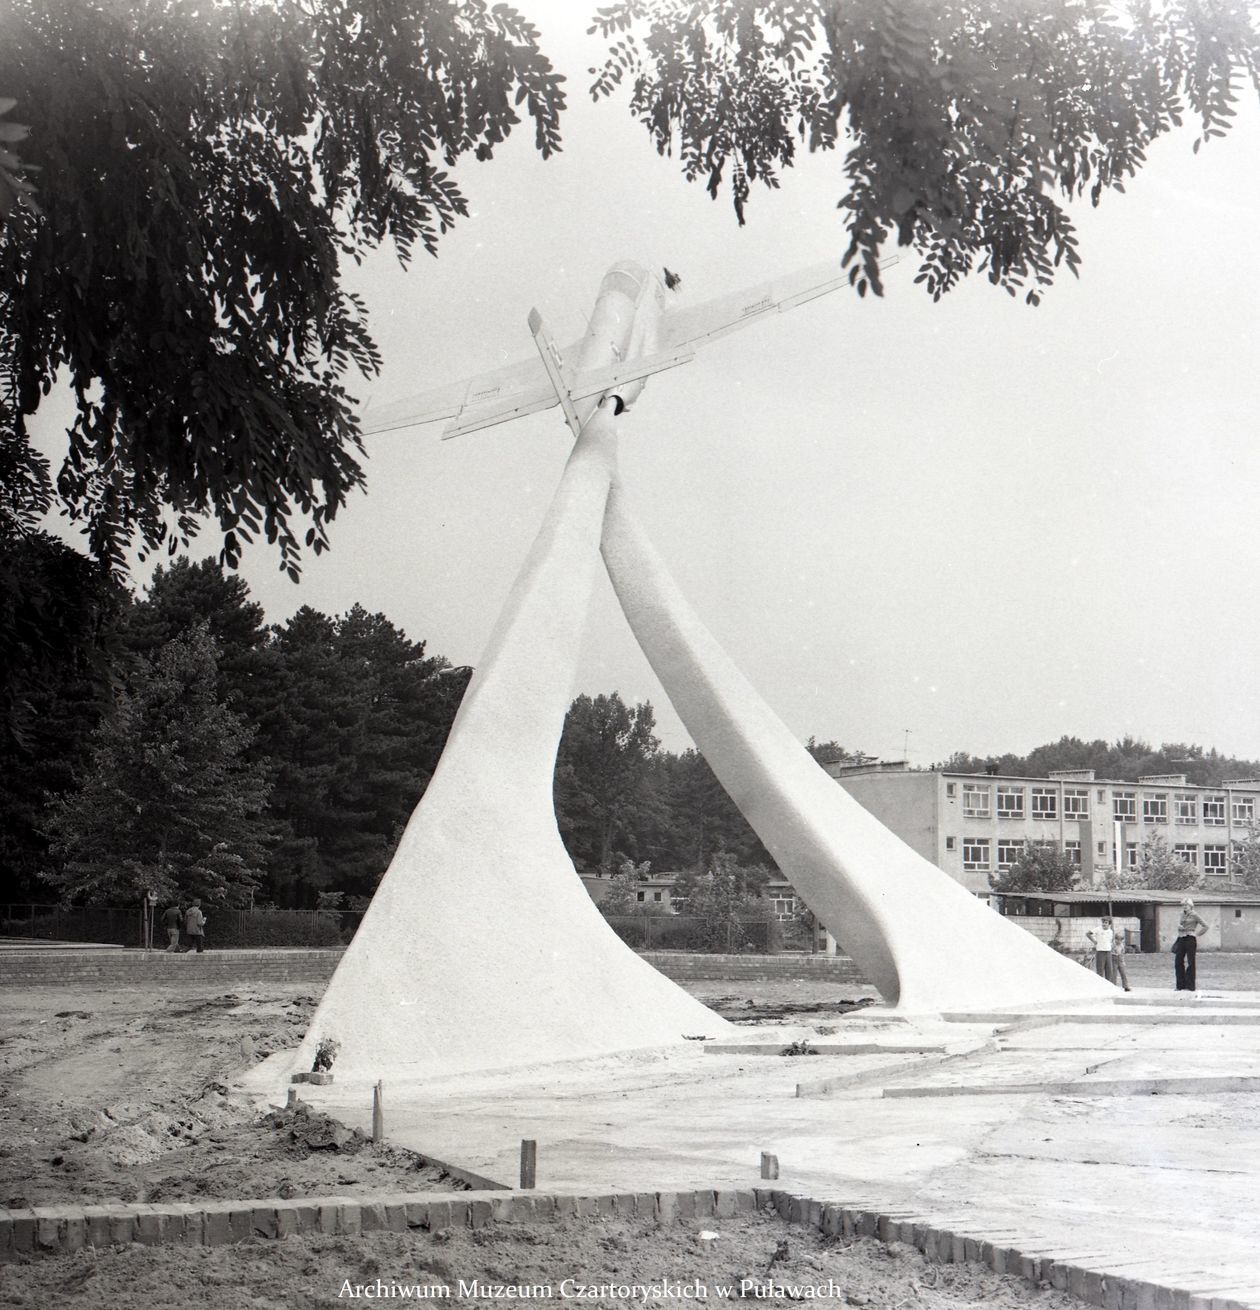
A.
pixel 204 170
pixel 967 126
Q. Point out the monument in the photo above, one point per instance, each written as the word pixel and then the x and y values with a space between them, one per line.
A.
pixel 481 948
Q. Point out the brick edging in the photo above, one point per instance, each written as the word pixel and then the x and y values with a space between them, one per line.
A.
pixel 57 1230
pixel 1095 1286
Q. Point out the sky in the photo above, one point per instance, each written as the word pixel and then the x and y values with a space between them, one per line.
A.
pixel 917 528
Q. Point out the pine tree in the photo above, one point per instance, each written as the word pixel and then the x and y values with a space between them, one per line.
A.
pixel 704 820
pixel 58 636
pixel 359 724
pixel 170 802
pixel 603 785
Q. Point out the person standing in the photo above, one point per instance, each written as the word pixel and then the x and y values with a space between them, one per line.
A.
pixel 1117 956
pixel 170 921
pixel 195 927
pixel 1189 929
pixel 1104 940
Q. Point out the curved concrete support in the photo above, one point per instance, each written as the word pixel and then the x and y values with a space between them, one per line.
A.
pixel 924 941
pixel 481 948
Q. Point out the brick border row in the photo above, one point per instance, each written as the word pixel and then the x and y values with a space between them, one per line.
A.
pixel 57 1230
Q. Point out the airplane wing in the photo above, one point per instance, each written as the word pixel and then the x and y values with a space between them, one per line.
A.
pixel 527 387
pixel 694 325
pixel 479 402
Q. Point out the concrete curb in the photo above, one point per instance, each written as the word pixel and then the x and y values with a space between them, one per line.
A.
pixel 60 1230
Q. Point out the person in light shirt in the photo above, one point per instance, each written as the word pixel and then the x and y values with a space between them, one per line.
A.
pixel 1104 940
pixel 1118 974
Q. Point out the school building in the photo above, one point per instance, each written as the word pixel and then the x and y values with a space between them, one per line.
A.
pixel 974 825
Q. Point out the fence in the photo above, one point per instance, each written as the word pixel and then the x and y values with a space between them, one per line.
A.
pixel 685 932
pixel 124 926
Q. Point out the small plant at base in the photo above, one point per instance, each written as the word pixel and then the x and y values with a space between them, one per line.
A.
pixel 325 1054
pixel 799 1048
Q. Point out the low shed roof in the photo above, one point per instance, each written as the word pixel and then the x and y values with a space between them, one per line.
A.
pixel 1137 895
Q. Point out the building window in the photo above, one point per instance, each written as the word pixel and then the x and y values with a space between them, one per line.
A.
pixel 1130 854
pixel 1075 803
pixel 1214 811
pixel 1124 806
pixel 975 853
pixel 1215 859
pixel 1237 914
pixel 1102 848
pixel 1155 807
pixel 1008 851
pixel 949 789
pixel 656 896
pixel 1187 853
pixel 642 896
pixel 1187 808
pixel 1045 803
pixel 1073 851
pixel 1010 802
pixel 1243 810
pixel 949 843
pixel 976 801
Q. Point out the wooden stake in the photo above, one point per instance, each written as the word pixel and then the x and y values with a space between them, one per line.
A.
pixel 529 1162
pixel 769 1165
pixel 378 1113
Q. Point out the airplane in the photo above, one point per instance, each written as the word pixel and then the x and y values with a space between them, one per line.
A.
pixel 633 333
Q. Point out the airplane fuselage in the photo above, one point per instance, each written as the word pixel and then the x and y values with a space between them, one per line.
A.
pixel 625 325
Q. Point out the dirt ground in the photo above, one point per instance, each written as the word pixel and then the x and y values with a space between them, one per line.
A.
pixel 590 1262
pixel 111 1094
pixel 123 1094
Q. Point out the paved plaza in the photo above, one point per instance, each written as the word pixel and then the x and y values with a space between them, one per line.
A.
pixel 1122 1135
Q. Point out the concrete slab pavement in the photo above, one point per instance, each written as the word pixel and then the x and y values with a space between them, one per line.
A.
pixel 1166 1178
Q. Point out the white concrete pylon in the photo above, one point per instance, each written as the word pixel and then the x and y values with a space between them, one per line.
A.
pixel 920 937
pixel 481 948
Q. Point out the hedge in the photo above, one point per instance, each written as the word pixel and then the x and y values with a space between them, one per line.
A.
pixel 225 929
pixel 663 932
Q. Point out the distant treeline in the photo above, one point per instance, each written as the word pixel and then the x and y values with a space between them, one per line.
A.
pixel 182 743
pixel 1126 760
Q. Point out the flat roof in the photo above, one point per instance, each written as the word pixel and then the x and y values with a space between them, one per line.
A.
pixel 1253 784
pixel 1200 896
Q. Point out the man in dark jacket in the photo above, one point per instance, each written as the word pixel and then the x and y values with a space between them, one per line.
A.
pixel 170 921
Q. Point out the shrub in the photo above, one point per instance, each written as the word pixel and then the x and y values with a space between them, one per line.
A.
pixel 232 928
